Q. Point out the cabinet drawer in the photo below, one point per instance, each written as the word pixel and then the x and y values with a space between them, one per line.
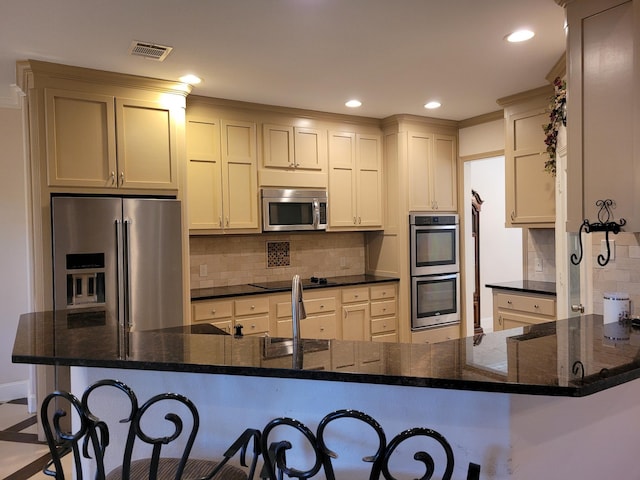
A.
pixel 538 305
pixel 381 325
pixel 382 292
pixel 387 307
pixel 352 295
pixel 254 325
pixel 212 310
pixel 252 306
pixel 316 305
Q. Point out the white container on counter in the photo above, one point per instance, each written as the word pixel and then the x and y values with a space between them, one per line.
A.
pixel 616 306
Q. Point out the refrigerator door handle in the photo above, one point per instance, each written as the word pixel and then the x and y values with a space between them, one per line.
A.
pixel 127 273
pixel 120 274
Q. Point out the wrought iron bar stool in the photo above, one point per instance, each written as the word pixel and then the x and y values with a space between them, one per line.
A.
pixel 89 439
pixel 382 461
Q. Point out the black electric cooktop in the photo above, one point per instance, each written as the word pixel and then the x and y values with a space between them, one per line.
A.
pixel 284 284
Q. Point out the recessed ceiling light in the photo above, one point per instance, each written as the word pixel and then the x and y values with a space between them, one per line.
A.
pixel 433 104
pixel 353 103
pixel 520 36
pixel 191 79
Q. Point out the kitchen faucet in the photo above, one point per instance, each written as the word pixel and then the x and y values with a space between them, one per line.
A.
pixel 297 313
pixel 297 306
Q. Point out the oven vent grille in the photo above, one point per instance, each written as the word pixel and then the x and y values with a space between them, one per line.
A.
pixel 149 50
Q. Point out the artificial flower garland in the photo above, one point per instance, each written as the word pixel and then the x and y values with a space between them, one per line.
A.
pixel 557 117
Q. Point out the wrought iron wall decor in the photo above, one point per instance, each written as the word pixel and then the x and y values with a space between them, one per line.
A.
pixel 604 224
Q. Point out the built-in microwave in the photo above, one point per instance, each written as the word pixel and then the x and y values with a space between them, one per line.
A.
pixel 293 209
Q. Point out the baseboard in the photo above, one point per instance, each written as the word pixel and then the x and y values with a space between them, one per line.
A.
pixel 14 390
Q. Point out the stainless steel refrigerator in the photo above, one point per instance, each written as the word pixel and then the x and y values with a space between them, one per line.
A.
pixel 118 259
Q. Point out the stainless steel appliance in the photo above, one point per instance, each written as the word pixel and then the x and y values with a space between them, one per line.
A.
pixel 435 278
pixel 293 209
pixel 120 258
pixel 434 243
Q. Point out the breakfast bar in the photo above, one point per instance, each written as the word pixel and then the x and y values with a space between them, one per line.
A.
pixel 499 402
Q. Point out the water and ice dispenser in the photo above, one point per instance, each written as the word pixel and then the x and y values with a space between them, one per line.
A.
pixel 85 275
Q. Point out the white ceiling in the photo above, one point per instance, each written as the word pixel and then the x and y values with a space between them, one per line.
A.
pixel 394 55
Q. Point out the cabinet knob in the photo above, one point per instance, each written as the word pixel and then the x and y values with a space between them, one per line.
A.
pixel 253 307
pixel 121 178
pixel 536 306
pixel 500 320
pixel 384 309
pixel 359 220
pixel 509 302
pixel 113 178
pixel 213 311
pixel 322 329
pixel 227 221
pixel 321 306
pixel 220 221
pixel 356 295
pixel 354 220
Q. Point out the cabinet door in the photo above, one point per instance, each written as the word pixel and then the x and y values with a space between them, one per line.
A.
pixel 369 181
pixel 204 187
pixel 530 190
pixel 443 184
pixel 309 148
pixel 278 146
pixel 239 176
pixel 420 151
pixel 146 145
pixel 81 139
pixel 342 179
pixel 604 158
pixel 355 322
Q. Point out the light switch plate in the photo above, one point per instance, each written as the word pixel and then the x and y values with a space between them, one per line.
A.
pixel 203 270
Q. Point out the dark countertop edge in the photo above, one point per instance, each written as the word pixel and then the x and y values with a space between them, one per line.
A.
pixel 372 379
pixel 540 288
pixel 211 293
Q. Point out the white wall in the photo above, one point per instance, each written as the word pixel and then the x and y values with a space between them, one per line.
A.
pixel 14 271
pixel 500 247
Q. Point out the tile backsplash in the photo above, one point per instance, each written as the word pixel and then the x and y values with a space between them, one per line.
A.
pixel 541 251
pixel 621 274
pixel 225 260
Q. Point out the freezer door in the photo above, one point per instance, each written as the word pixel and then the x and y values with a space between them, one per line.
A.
pixel 153 246
pixel 85 253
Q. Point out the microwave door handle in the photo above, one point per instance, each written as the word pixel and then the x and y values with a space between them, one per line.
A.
pixel 316 213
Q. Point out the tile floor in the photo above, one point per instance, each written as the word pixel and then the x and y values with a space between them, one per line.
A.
pixel 23 456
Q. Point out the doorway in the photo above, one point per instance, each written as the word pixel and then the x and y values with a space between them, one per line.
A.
pixel 500 248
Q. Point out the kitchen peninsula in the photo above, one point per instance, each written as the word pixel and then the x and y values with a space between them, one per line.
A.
pixel 497 403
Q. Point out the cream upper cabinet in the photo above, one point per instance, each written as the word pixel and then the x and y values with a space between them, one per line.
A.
pixel 603 120
pixel 222 187
pixel 529 189
pixel 96 140
pixel 355 181
pixel 432 172
pixel 293 147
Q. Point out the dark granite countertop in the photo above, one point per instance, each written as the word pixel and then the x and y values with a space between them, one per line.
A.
pixel 240 290
pixel 526 286
pixel 524 360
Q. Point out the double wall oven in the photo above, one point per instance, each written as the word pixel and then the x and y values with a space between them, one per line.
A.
pixel 435 270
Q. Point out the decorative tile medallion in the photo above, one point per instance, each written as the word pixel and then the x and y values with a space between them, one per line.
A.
pixel 278 254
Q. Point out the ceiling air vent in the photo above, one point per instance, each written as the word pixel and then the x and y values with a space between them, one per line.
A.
pixel 149 50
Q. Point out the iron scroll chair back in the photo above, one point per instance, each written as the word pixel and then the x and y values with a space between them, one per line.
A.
pixel 440 461
pixel 67 436
pixel 143 426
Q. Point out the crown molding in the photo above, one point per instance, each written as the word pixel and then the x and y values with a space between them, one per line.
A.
pixel 480 119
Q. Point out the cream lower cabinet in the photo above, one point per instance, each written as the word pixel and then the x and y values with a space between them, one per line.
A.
pixel 250 312
pixel 356 323
pixel 99 140
pixel 383 309
pixel 432 172
pixel 515 309
pixel 218 313
pixel 320 322
pixel 222 185
pixel 436 335
pixel 355 181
